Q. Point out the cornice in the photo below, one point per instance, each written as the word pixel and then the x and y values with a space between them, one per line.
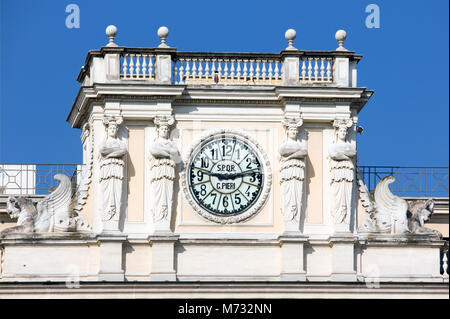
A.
pixel 119 91
pixel 269 96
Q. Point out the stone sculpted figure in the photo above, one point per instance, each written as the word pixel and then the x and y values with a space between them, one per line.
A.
pixel 419 212
pixel 163 152
pixel 112 152
pixel 51 214
pixel 341 154
pixel 292 173
pixel 391 214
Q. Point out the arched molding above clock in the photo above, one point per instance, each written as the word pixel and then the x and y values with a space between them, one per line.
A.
pixel 216 135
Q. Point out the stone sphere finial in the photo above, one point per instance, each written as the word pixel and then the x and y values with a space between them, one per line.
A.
pixel 340 36
pixel 111 32
pixel 163 33
pixel 290 35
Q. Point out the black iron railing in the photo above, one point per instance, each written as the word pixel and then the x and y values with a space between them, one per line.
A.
pixel 409 181
pixel 31 179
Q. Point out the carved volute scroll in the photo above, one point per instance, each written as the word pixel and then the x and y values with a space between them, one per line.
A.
pixel 292 174
pixel 84 176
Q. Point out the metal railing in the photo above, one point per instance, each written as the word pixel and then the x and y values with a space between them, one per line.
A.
pixel 409 181
pixel 34 179
pixel 30 179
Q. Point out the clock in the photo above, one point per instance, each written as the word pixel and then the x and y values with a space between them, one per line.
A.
pixel 227 176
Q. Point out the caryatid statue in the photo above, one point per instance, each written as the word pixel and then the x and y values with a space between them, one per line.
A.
pixel 342 172
pixel 163 153
pixel 112 163
pixel 292 174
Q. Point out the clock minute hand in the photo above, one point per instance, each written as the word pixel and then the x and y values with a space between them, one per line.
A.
pixel 248 174
pixel 224 176
pixel 231 175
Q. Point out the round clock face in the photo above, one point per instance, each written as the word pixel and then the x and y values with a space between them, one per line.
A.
pixel 225 175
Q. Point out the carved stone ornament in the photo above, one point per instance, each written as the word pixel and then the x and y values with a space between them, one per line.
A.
pixel 163 153
pixel 226 177
pixel 292 174
pixel 419 212
pixel 112 164
pixel 85 176
pixel 391 214
pixel 51 214
pixel 342 172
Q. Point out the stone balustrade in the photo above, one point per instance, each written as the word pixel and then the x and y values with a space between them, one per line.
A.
pixel 249 68
pixel 137 66
pixel 226 68
pixel 166 65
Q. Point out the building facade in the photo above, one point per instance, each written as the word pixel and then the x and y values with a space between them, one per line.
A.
pixel 221 174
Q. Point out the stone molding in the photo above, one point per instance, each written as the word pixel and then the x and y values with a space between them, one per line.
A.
pixel 250 290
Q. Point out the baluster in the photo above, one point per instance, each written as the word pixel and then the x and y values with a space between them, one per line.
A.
pixel 322 69
pixel 238 71
pixel 150 66
pixel 207 70
pixel 263 74
pixel 329 70
pixel 225 69
pixel 174 73
pixel 125 65
pixel 194 70
pixel 213 69
pixel 316 69
pixel 188 72
pixel 251 71
pixel 232 75
pixel 219 69
pixel 269 72
pixel 245 75
pixel 200 70
pixel 309 69
pixel 303 69
pixel 180 71
pixel 144 66
pixel 138 65
pixel 257 71
pixel 445 265
pixel 277 72
pixel 132 65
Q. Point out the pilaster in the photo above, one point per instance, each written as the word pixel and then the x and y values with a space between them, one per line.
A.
pixel 112 67
pixel 342 74
pixel 343 257
pixel 111 268
pixel 291 68
pixel 292 256
pixel 163 256
pixel 163 65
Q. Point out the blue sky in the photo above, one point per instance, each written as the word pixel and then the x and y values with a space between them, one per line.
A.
pixel 405 61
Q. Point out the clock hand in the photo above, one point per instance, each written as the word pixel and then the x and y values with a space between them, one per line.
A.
pixel 223 176
pixel 231 175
